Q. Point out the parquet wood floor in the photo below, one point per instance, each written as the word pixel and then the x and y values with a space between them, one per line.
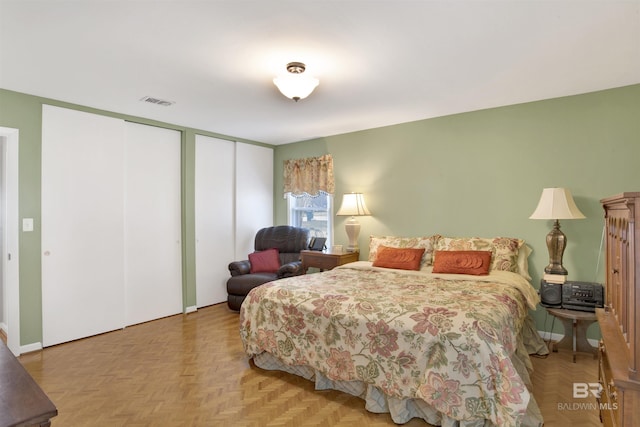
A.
pixel 190 370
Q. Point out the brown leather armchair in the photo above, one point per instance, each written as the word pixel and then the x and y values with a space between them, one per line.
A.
pixel 288 240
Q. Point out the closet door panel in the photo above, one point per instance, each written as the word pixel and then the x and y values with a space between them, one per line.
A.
pixel 82 224
pixel 254 194
pixel 214 197
pixel 152 256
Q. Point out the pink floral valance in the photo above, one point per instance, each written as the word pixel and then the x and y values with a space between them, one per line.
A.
pixel 311 175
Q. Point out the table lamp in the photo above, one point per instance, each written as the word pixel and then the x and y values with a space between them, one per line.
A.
pixel 556 204
pixel 353 205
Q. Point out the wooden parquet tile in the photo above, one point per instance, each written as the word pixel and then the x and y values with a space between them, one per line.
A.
pixel 190 370
pixel 553 379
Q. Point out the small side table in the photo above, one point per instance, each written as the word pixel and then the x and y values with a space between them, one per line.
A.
pixel 575 325
pixel 326 260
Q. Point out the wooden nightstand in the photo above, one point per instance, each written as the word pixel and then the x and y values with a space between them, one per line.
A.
pixel 326 260
pixel 575 325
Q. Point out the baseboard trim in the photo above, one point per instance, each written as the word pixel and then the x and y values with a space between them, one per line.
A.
pixel 191 309
pixel 36 346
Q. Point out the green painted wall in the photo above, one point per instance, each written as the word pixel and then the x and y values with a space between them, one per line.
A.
pixel 472 174
pixel 24 112
pixel 482 173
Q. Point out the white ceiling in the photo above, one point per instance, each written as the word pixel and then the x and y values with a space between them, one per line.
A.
pixel 378 62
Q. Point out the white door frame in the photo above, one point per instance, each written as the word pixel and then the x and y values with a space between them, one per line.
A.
pixel 11 264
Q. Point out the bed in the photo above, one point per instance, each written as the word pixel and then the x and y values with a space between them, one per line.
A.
pixel 451 348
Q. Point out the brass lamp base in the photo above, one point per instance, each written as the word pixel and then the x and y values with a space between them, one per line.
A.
pixel 556 242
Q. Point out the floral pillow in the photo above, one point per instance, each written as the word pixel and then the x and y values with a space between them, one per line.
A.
pixel 505 250
pixel 426 242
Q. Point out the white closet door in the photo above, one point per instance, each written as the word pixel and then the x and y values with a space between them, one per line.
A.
pixel 254 194
pixel 214 196
pixel 153 259
pixel 82 224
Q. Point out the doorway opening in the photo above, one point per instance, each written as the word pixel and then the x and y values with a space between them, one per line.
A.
pixel 9 228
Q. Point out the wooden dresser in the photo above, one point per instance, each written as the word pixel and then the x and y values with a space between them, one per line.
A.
pixel 620 318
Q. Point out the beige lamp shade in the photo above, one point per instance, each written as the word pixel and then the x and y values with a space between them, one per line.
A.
pixel 353 205
pixel 556 203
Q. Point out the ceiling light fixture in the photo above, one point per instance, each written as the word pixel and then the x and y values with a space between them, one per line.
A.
pixel 295 85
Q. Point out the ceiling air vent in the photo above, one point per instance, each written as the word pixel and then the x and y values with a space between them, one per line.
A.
pixel 157 101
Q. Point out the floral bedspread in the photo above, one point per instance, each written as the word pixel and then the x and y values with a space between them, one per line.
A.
pixel 445 339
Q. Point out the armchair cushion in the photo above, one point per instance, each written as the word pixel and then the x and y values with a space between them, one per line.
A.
pixel 267 261
pixel 241 285
pixel 238 268
pixel 290 269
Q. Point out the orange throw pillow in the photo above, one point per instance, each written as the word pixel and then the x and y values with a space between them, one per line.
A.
pixel 462 262
pixel 401 258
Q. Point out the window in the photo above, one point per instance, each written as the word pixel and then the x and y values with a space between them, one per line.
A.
pixel 312 212
pixel 303 177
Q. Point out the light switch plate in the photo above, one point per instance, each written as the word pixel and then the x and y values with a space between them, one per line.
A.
pixel 27 224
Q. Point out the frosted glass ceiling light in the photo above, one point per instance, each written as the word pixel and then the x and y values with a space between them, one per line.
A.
pixel 295 85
